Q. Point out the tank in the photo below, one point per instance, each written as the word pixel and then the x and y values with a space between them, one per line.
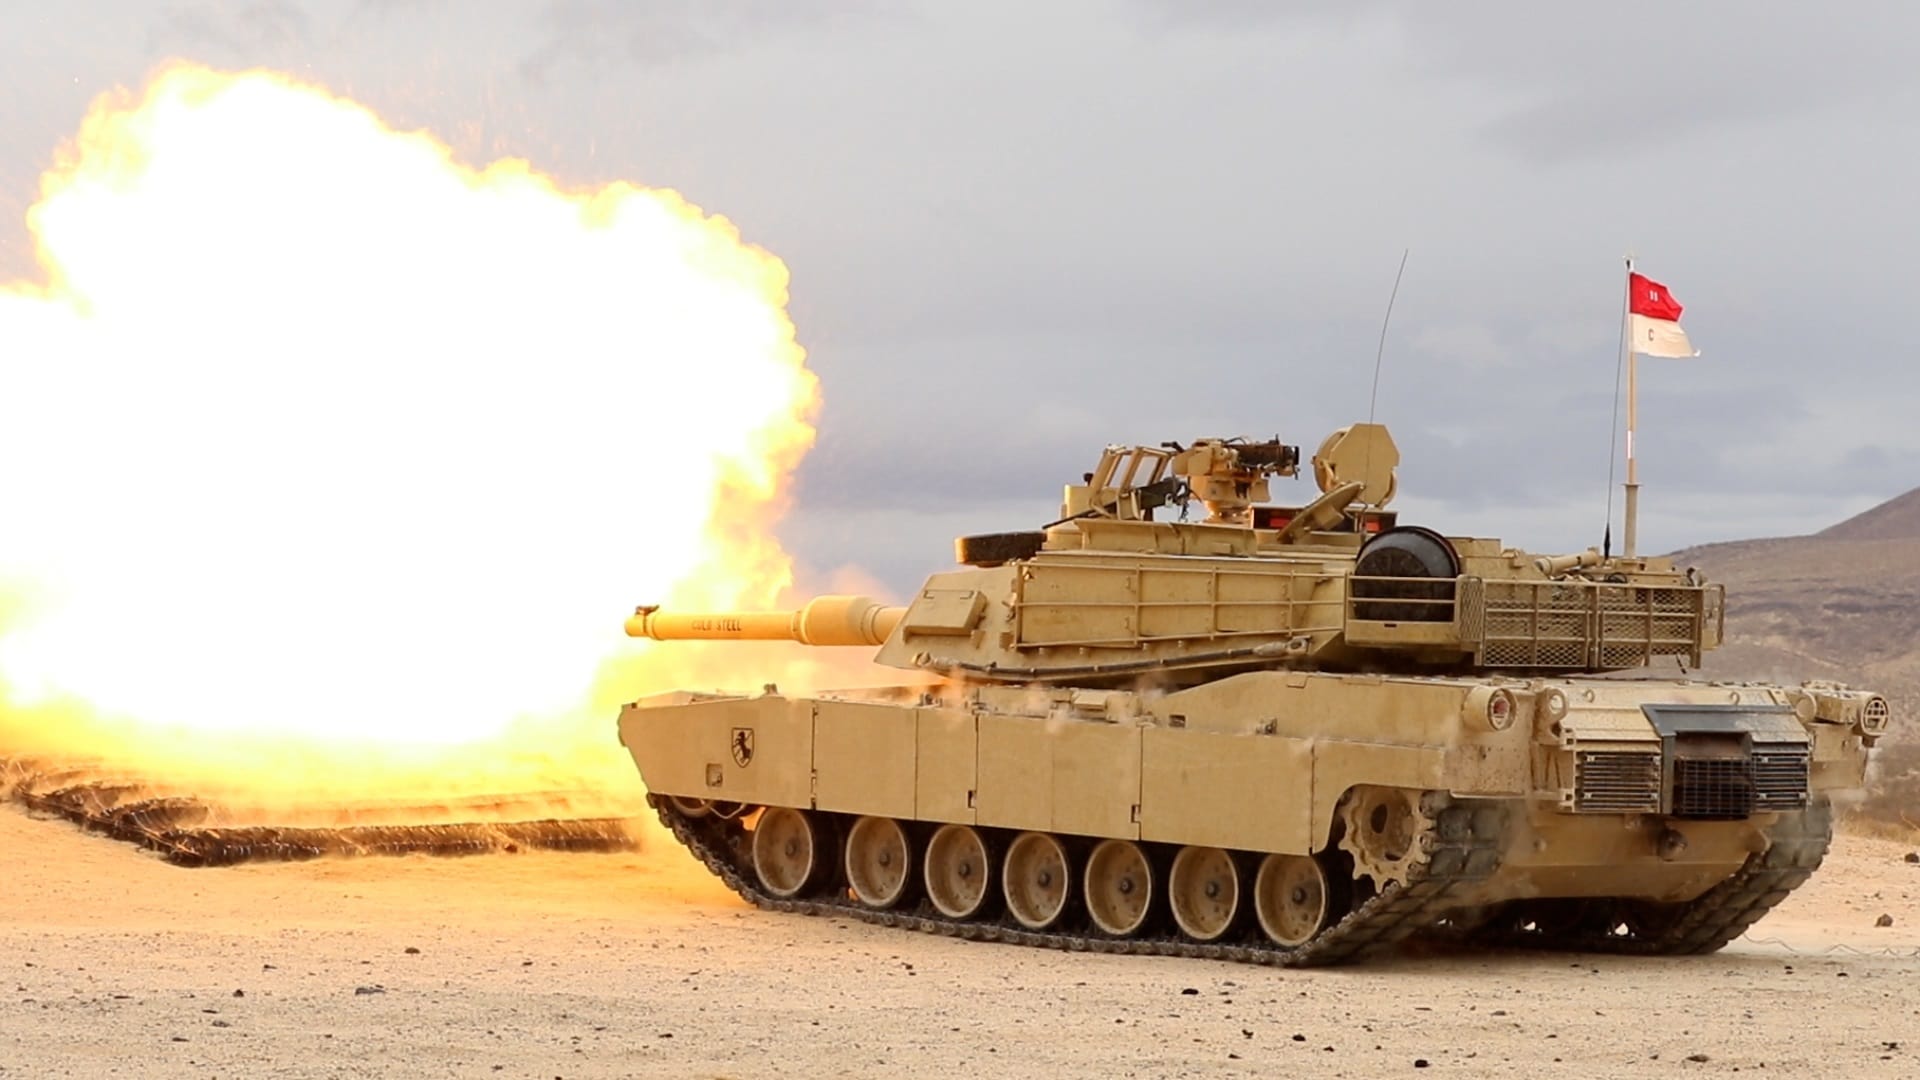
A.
pixel 1285 734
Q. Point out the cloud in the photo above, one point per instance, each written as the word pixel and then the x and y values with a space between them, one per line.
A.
pixel 247 30
pixel 1566 84
pixel 596 34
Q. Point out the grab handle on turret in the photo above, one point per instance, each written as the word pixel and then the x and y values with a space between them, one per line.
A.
pixel 825 620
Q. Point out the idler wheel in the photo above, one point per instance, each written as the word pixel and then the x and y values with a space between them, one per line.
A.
pixel 958 871
pixel 879 862
pixel 1204 888
pixel 992 549
pixel 788 850
pixel 1035 880
pixel 1118 885
pixel 1292 899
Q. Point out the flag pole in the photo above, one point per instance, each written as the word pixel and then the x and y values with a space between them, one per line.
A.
pixel 1629 546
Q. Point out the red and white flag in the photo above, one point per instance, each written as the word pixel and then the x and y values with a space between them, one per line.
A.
pixel 1655 319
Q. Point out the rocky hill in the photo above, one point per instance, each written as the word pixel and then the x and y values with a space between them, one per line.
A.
pixel 1896 519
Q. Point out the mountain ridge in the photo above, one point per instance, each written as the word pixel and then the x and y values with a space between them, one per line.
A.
pixel 1897 518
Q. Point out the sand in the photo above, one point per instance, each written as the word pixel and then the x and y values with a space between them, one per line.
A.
pixel 113 963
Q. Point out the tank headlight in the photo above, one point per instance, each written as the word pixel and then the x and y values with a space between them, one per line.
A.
pixel 1500 711
pixel 1489 708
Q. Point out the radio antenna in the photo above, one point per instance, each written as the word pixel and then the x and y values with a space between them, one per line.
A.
pixel 1380 353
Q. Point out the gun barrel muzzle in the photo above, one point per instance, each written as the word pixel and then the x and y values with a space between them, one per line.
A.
pixel 825 620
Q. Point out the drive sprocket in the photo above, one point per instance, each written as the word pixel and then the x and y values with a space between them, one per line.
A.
pixel 1387 832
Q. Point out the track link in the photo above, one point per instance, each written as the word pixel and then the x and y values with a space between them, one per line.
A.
pixel 1466 841
pixel 1798 844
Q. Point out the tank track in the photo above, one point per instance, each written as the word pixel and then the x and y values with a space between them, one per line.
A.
pixel 1798 844
pixel 1466 842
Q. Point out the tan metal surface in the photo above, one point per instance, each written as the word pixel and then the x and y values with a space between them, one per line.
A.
pixel 858 754
pixel 697 750
pixel 1068 777
pixel 1231 791
pixel 947 751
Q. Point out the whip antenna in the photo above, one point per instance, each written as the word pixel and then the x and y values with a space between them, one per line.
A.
pixel 1381 352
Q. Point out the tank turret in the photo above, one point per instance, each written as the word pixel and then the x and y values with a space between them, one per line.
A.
pixel 1289 732
pixel 1107 593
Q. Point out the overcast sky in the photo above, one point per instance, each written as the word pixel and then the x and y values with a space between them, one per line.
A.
pixel 1018 231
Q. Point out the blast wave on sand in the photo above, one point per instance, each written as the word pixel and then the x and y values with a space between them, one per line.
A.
pixel 190 830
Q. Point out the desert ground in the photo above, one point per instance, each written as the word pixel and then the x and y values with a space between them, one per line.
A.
pixel 113 963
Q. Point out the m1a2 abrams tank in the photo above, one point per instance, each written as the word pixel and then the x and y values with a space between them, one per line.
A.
pixel 1281 734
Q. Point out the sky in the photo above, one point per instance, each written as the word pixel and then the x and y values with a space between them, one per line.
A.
pixel 1018 232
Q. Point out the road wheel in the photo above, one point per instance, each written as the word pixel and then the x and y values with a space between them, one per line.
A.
pixel 1036 880
pixel 788 850
pixel 958 871
pixel 1204 888
pixel 1291 898
pixel 1118 885
pixel 879 861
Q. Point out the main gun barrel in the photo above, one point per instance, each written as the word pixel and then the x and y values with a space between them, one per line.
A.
pixel 825 620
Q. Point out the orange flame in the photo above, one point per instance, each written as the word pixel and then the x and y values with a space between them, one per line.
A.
pixel 332 460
